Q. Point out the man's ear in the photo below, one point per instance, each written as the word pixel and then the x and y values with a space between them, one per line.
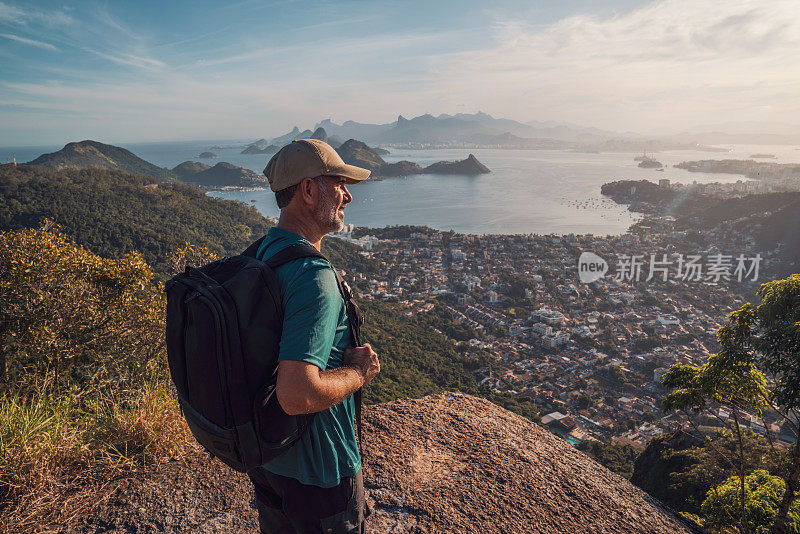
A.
pixel 307 190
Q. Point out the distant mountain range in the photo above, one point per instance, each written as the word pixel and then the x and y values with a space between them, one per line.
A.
pixel 482 130
pixel 463 128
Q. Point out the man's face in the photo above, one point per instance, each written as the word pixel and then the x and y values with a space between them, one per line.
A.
pixel 334 196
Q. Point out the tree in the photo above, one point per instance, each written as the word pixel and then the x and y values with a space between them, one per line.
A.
pixel 68 316
pixel 762 497
pixel 755 343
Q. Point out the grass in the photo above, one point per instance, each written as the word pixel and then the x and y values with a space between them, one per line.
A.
pixel 85 395
pixel 60 454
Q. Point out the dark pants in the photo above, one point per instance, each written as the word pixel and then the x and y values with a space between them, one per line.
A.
pixel 285 506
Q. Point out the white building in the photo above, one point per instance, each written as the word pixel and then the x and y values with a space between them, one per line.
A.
pixel 548 316
pixel 555 339
pixel 542 329
pixel 668 320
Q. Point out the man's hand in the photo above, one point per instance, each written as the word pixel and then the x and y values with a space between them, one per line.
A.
pixel 365 360
pixel 303 388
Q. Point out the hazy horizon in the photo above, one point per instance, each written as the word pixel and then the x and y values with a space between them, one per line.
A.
pixel 125 73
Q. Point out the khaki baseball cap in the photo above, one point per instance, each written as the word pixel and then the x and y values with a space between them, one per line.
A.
pixel 308 158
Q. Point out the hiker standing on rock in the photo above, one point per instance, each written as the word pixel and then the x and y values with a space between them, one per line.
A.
pixel 316 485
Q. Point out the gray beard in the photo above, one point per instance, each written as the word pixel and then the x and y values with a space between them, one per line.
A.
pixel 327 212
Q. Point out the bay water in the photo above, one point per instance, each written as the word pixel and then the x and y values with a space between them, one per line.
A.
pixel 528 191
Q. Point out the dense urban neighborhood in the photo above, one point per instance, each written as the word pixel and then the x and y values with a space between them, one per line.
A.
pixel 590 355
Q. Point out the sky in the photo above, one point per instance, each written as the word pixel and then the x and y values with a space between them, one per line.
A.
pixel 160 71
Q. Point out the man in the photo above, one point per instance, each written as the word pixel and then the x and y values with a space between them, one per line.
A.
pixel 315 486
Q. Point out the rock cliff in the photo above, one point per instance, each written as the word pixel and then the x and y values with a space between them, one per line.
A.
pixel 443 463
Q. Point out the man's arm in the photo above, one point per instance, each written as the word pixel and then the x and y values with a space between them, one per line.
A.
pixel 304 388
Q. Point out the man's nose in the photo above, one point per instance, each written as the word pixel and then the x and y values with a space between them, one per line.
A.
pixel 347 196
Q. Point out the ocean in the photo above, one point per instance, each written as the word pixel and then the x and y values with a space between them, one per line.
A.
pixel 528 191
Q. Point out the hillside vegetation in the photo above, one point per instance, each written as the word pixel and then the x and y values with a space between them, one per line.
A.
pixel 86 397
pixel 114 213
pixel 94 155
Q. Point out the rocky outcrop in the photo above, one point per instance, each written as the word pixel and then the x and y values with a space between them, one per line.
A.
pixel 93 155
pixel 456 463
pixel 401 168
pixel 443 463
pixel 224 174
pixel 358 153
pixel 469 167
pixel 189 168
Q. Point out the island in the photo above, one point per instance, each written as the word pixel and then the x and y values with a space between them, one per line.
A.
pixel 223 174
pixel 358 153
pixel 255 149
pixel 650 163
pixel 207 155
pixel 467 167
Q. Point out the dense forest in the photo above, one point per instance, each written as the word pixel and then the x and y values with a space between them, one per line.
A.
pixel 113 213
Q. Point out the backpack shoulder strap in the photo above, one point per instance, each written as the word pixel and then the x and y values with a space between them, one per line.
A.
pixel 252 250
pixel 303 250
pixel 292 252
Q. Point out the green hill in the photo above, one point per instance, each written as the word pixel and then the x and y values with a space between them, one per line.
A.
pixel 188 168
pixel 225 174
pixel 114 212
pixel 94 155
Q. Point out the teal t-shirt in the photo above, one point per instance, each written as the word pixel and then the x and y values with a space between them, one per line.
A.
pixel 316 331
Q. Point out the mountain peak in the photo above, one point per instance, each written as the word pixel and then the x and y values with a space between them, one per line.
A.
pixel 320 134
pixel 88 154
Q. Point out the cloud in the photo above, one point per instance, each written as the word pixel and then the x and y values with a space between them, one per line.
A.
pixel 660 64
pixel 129 59
pixel 16 15
pixel 32 42
pixel 357 48
pixel 11 14
pixel 669 64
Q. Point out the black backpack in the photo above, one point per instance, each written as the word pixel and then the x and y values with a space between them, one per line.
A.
pixel 224 323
